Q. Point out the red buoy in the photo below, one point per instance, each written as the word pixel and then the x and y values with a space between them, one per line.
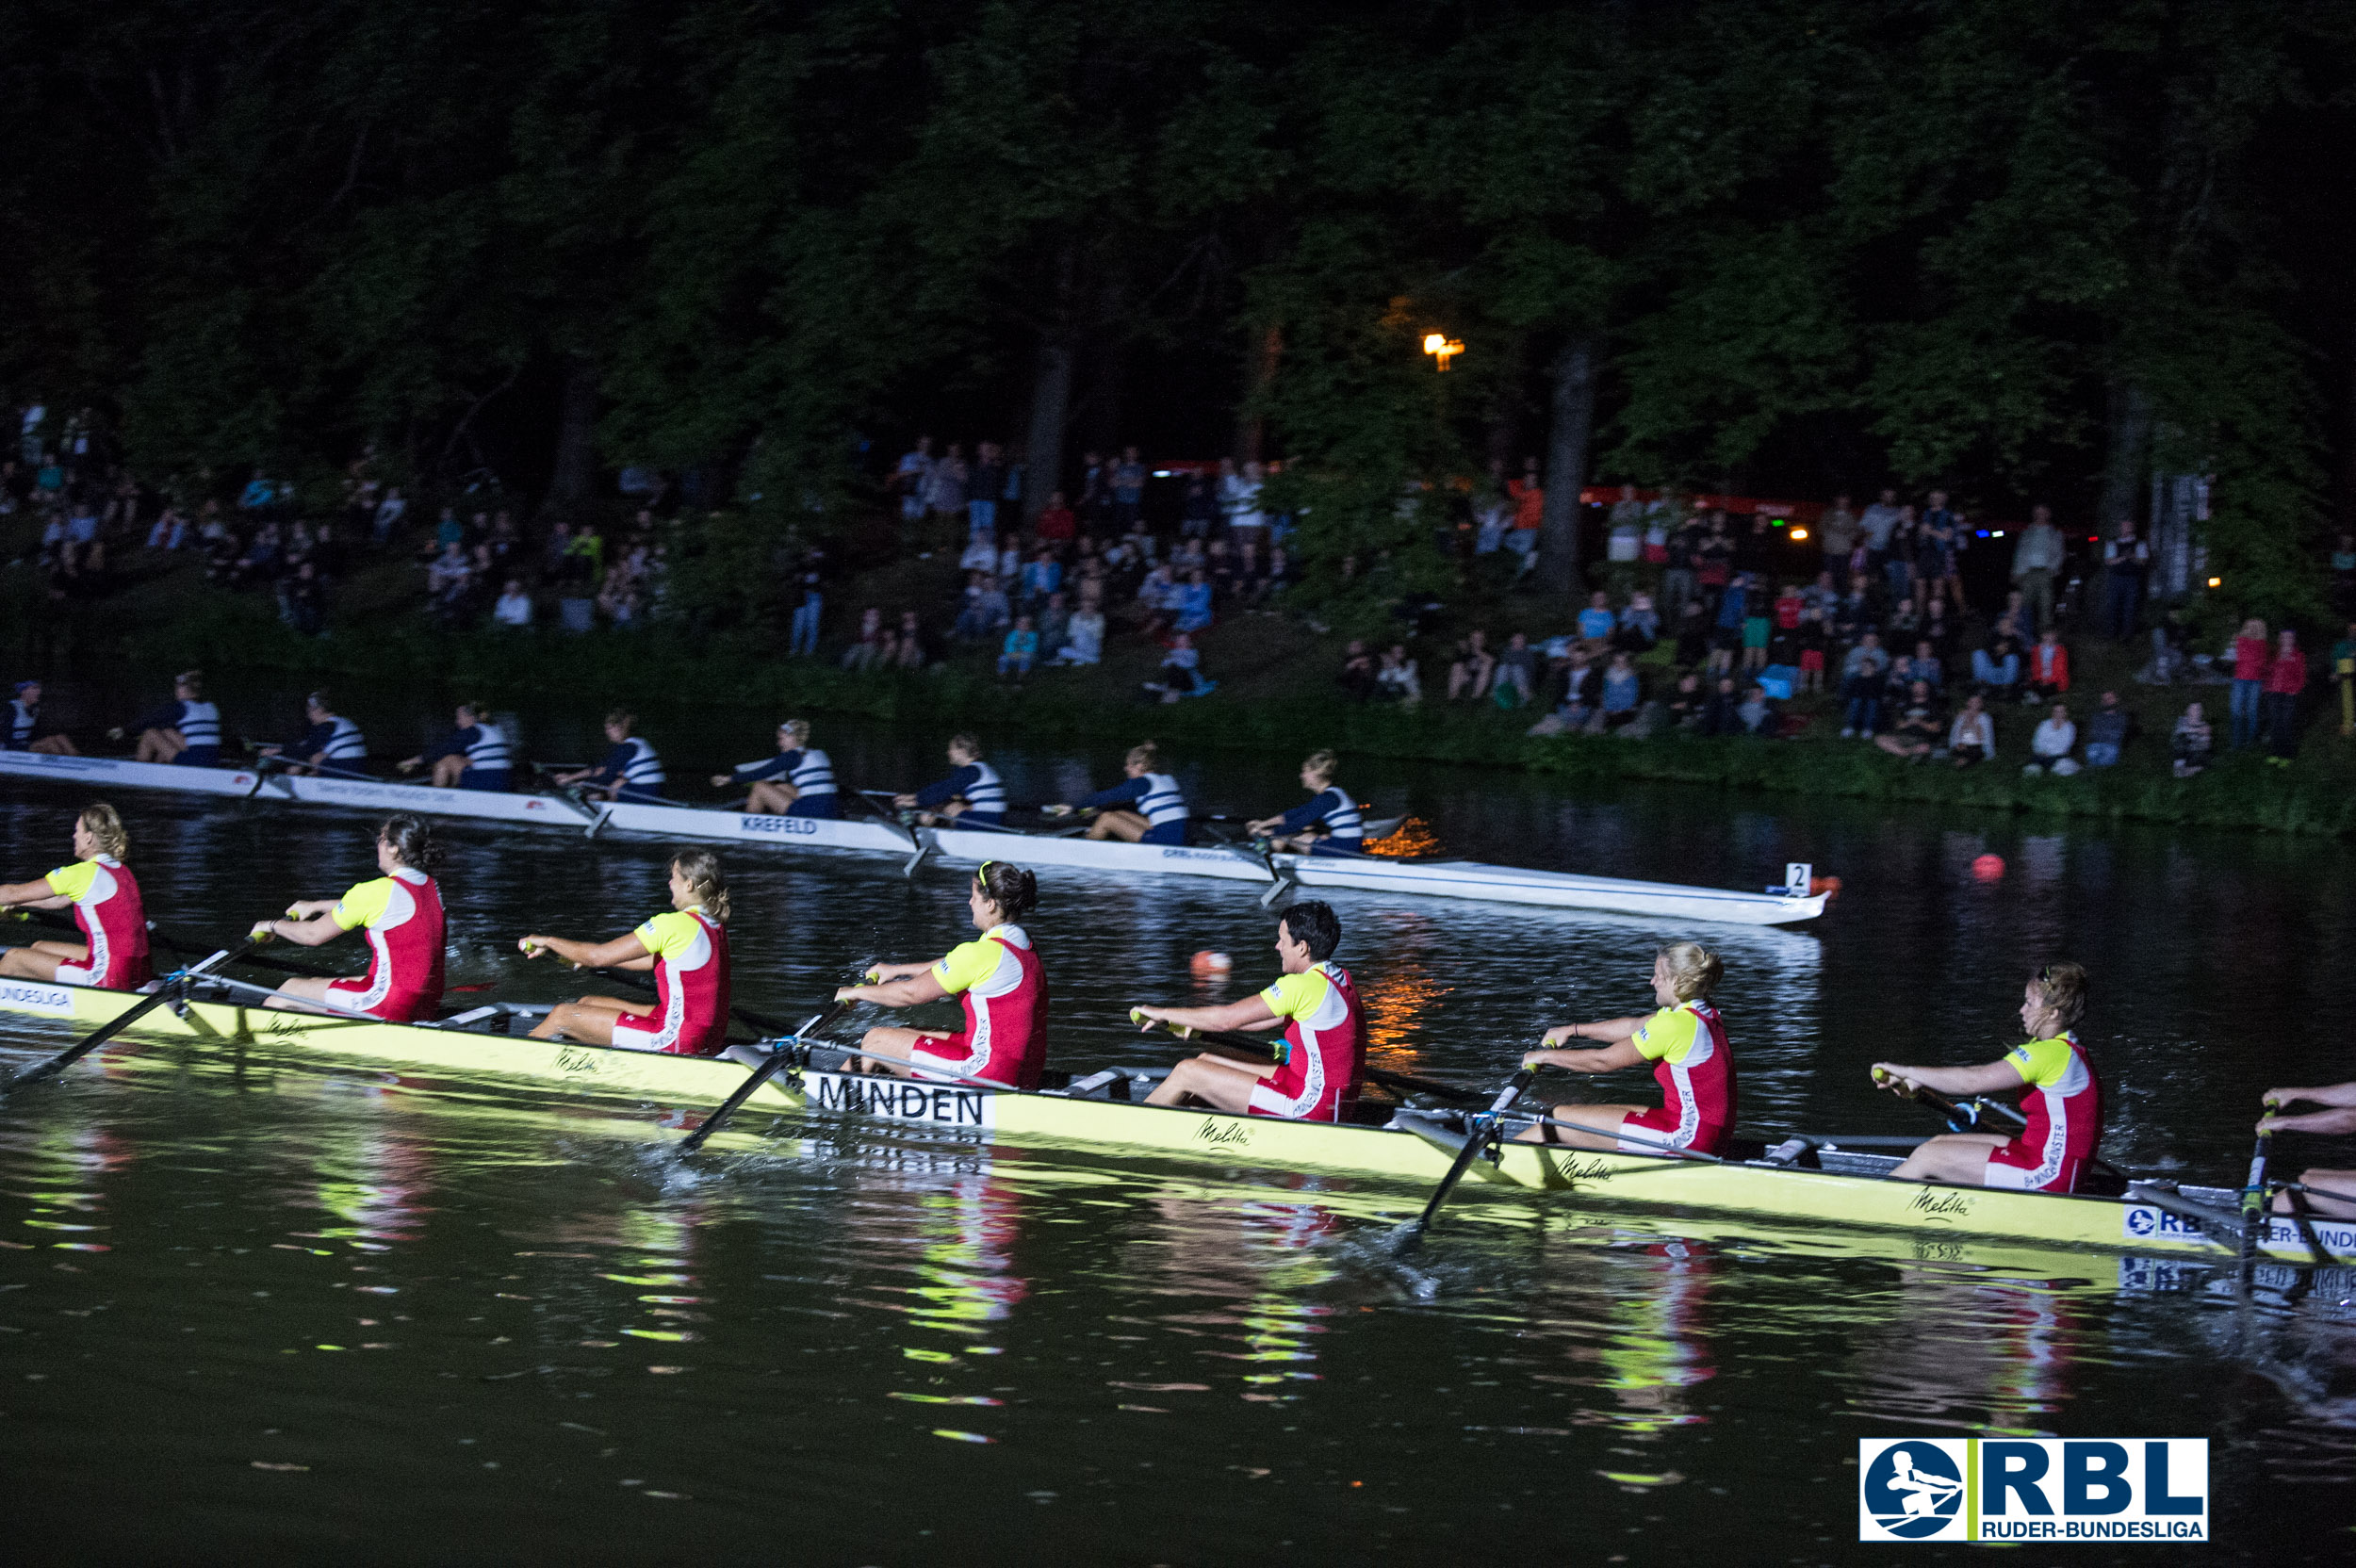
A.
pixel 1989 868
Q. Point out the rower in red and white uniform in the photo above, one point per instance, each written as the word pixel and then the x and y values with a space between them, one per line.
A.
pixel 1315 1078
pixel 1692 1062
pixel 687 947
pixel 104 898
pixel 401 913
pixel 2063 1101
pixel 997 978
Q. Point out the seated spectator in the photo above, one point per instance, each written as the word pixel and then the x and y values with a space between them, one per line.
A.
pixel 1577 711
pixel 1596 622
pixel 1640 625
pixel 1041 576
pixel 866 651
pixel 171 530
pixel 1686 704
pixel 1468 676
pixel 1723 713
pixel 1056 525
pixel 1996 668
pixel 2048 669
pixel 975 620
pixel 1083 639
pixel 981 555
pixel 2053 743
pixel 1054 624
pixel 1756 715
pixel 1972 737
pixel 907 652
pixel 1921 729
pixel 1021 648
pixel 514 608
pixel 2107 732
pixel 1157 596
pixel 1928 667
pixel 1516 679
pixel 2190 741
pixel 1861 675
pixel 1357 672
pixel 1623 692
pixel 1398 677
pixel 1181 672
pixel 1191 602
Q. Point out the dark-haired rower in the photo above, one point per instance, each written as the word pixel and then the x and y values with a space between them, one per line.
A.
pixel 186 730
pixel 401 913
pixel 973 794
pixel 332 742
pixel 1148 809
pixel 1324 1033
pixel 996 977
pixel 630 771
pixel 474 756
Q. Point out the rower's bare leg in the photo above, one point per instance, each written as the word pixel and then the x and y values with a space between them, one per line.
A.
pixel 768 800
pixel 56 745
pixel 159 745
pixel 888 1049
pixel 1299 844
pixel 1218 1082
pixel 297 996
pixel 446 772
pixel 1599 1127
pixel 1960 1158
pixel 1125 826
pixel 40 961
pixel 588 1019
pixel 2315 1203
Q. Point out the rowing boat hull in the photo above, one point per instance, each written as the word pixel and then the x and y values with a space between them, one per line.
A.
pixel 1930 1216
pixel 968 846
pixel 753 828
pixel 360 795
pixel 1554 889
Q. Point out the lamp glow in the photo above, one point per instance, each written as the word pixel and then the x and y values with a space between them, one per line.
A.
pixel 1442 348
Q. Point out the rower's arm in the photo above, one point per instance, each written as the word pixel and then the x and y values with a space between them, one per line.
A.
pixel 2333 1094
pixel 36 894
pixel 910 990
pixel 1609 1059
pixel 1603 1031
pixel 312 930
pixel 2313 1121
pixel 624 952
pixel 1251 1012
pixel 1997 1077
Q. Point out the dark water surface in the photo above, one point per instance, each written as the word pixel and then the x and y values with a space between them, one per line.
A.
pixel 249 1306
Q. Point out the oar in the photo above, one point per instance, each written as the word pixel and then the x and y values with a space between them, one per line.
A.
pixel 1966 1116
pixel 1480 1127
pixel 1254 1048
pixel 2254 1192
pixel 867 798
pixel 780 1058
pixel 174 985
pixel 58 920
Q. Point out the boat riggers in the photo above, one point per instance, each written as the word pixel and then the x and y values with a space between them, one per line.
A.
pixel 172 990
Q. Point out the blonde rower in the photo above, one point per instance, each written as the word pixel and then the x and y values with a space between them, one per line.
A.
pixel 1692 1062
pixel 104 898
pixel 688 950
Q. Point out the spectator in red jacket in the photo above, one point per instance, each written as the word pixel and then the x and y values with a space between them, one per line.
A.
pixel 2251 657
pixel 2049 668
pixel 1056 522
pixel 2286 677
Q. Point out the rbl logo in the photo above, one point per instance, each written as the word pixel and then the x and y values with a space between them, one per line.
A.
pixel 2033 1489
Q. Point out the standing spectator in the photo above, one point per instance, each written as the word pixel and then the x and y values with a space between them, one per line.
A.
pixel 1529 514
pixel 1898 561
pixel 1200 509
pixel 2125 559
pixel 1625 541
pixel 2053 743
pixel 2107 732
pixel 2251 659
pixel 908 476
pixel 1128 489
pixel 1239 498
pixel 983 484
pixel 1837 534
pixel 944 486
pixel 2191 742
pixel 1939 541
pixel 1810 639
pixel 2344 676
pixel 2287 677
pixel 389 511
pixel 1972 737
pixel 1693 634
pixel 1015 654
pixel 2343 572
pixel 1727 635
pixel 1861 675
pixel 1878 523
pixel 2049 667
pixel 1676 572
pixel 2037 555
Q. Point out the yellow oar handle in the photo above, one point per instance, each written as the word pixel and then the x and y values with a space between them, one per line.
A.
pixel 873 977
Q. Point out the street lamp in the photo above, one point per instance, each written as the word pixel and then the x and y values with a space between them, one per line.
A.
pixel 1442 348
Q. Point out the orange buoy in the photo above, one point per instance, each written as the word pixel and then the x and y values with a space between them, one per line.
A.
pixel 1207 963
pixel 1828 886
pixel 1989 868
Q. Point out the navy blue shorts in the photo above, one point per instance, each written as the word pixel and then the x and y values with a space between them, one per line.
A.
pixel 494 779
pixel 1169 833
pixel 813 805
pixel 1339 848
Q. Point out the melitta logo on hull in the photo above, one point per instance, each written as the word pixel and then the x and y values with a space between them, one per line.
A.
pixel 2050 1489
pixel 23 996
pixel 900 1099
pixel 2143 1222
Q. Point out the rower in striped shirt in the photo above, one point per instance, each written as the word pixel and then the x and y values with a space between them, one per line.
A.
pixel 1147 807
pixel 630 771
pixel 332 745
pixel 973 794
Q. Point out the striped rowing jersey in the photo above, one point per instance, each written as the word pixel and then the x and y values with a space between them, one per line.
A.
pixel 114 923
pixel 811 773
pixel 1156 797
pixel 977 784
pixel 1338 809
pixel 1694 1068
pixel 999 981
pixel 334 740
pixel 1326 1040
pixel 402 916
pixel 634 765
pixel 691 985
pixel 199 724
pixel 2064 1105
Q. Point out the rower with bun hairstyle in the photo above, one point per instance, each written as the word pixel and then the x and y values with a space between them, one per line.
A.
pixel 1686 1041
pixel 2063 1099
pixel 997 978
pixel 1148 807
pixel 401 913
pixel 687 947
pixel 104 898
pixel 797 782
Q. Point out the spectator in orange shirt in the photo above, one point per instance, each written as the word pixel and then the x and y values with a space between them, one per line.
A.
pixel 1530 510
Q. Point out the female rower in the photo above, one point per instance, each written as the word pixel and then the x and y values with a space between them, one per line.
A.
pixel 1686 1040
pixel 186 730
pixel 2065 1102
pixel 806 789
pixel 402 912
pixel 630 771
pixel 2329 1192
pixel 106 901
pixel 1328 825
pixel 996 978
pixel 973 794
pixel 474 756
pixel 1148 809
pixel 687 947
pixel 1325 1034
pixel 333 743
pixel 21 727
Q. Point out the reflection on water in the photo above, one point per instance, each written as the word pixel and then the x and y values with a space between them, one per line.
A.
pixel 318 1311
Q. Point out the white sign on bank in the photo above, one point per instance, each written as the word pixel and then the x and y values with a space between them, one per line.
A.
pixel 2042 1489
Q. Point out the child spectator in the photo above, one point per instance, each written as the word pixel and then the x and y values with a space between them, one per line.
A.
pixel 1972 737
pixel 2052 743
pixel 2190 741
pixel 1756 714
pixel 2107 730
pixel 1181 672
pixel 1020 649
